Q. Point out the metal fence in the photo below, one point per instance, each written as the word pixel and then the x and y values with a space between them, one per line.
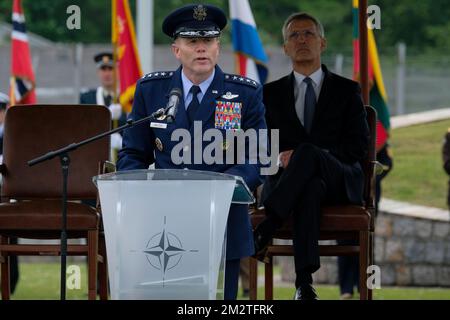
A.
pixel 63 70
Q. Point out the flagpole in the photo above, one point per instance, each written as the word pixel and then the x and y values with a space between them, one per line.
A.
pixel 114 40
pixel 363 51
pixel 145 18
pixel 12 91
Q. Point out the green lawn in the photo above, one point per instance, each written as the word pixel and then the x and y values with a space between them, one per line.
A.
pixel 328 292
pixel 417 175
pixel 41 281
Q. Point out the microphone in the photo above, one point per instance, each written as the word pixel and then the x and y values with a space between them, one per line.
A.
pixel 172 105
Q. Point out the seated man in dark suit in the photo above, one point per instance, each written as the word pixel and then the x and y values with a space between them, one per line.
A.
pixel 323 137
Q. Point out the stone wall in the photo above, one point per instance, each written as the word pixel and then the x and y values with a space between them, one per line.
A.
pixel 412 248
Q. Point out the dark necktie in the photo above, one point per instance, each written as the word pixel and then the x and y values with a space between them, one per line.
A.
pixel 310 104
pixel 195 104
pixel 108 100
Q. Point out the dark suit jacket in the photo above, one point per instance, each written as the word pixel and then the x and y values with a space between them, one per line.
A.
pixel 339 124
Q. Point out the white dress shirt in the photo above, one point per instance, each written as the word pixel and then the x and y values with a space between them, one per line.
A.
pixel 187 84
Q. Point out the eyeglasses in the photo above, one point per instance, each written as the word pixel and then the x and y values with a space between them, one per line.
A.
pixel 306 34
pixel 104 68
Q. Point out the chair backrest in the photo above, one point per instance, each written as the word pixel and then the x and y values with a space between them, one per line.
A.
pixel 369 161
pixel 33 130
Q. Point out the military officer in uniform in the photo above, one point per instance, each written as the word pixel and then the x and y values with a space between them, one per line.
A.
pixel 209 96
pixel 103 94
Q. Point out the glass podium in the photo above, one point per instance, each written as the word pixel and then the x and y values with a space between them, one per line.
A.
pixel 165 231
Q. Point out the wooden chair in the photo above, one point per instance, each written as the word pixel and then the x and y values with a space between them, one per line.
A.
pixel 349 222
pixel 31 200
pixel 106 167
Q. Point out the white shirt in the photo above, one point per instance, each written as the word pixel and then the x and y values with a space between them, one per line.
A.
pixel 300 90
pixel 187 84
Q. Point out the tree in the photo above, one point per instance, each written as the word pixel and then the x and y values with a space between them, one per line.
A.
pixel 423 26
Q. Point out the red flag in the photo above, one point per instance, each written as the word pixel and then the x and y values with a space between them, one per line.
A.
pixel 22 82
pixel 125 52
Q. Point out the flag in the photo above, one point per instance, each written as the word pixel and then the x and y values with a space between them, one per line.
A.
pixel 22 81
pixel 378 96
pixel 251 59
pixel 126 53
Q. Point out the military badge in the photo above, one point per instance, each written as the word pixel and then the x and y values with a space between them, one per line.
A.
pixel 228 115
pixel 200 13
pixel 230 96
pixel 159 144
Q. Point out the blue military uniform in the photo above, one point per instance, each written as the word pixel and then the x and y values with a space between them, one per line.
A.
pixel 98 95
pixel 222 101
pixel 90 97
pixel 143 145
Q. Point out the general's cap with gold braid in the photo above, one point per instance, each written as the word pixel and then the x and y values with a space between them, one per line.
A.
pixel 195 21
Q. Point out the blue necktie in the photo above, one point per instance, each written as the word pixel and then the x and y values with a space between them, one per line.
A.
pixel 195 104
pixel 310 104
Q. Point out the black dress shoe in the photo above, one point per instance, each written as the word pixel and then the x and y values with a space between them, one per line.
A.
pixel 305 292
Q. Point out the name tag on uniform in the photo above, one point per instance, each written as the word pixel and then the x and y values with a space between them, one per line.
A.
pixel 158 125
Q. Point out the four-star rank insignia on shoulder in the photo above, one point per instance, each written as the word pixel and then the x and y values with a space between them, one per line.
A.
pixel 241 79
pixel 157 75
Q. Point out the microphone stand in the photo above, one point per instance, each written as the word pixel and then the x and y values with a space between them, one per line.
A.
pixel 63 155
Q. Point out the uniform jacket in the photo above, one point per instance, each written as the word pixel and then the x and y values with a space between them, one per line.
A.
pixel 90 97
pixel 144 145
